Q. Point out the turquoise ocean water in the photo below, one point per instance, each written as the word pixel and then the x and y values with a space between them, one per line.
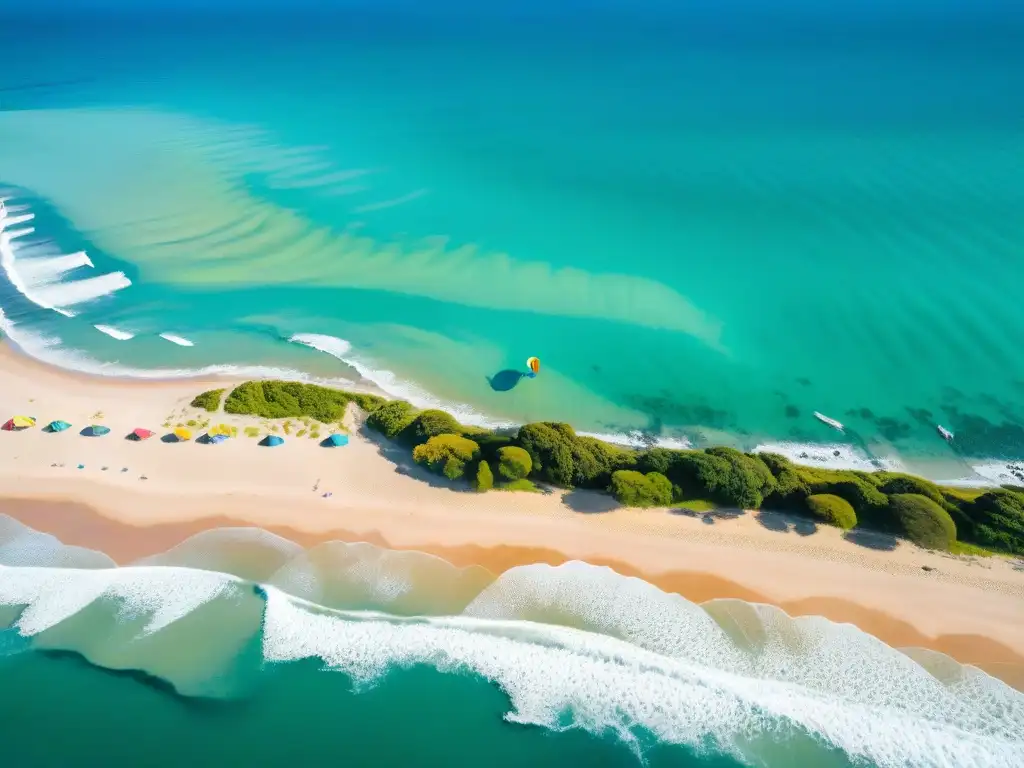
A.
pixel 275 655
pixel 707 225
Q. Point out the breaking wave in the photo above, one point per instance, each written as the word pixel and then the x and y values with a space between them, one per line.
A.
pixel 573 646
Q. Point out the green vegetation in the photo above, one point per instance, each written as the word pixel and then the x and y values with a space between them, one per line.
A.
pixel 834 510
pixel 635 489
pixel 392 418
pixel 959 519
pixel 923 521
pixel 447 454
pixel 519 485
pixel 252 431
pixel 484 479
pixel 208 401
pixel 514 463
pixel 284 399
pixel 696 505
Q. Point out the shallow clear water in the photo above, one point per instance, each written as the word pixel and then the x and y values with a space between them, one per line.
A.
pixel 239 647
pixel 705 225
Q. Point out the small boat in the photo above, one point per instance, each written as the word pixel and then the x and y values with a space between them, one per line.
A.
pixel 946 434
pixel 831 422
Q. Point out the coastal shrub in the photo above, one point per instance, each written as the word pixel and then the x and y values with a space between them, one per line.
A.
pixel 922 520
pixel 870 504
pixel 514 463
pixel 550 447
pixel 428 424
pixel 726 475
pixel 391 418
pixel 594 461
pixel 490 444
pixel 635 489
pixel 447 454
pixel 790 490
pixel 285 399
pixel 833 510
pixel 208 401
pixel 519 485
pixel 484 479
pixel 997 520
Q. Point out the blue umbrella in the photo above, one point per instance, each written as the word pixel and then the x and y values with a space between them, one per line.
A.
pixel 95 430
pixel 218 439
pixel 335 441
pixel 271 440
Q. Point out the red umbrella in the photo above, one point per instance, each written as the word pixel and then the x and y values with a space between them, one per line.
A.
pixel 142 434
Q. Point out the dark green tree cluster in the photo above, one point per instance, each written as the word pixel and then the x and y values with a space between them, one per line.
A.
pixel 833 510
pixel 447 455
pixel 635 489
pixel 208 401
pixel 553 453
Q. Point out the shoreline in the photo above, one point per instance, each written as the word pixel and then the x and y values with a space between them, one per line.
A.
pixel 969 608
pixel 79 523
pixel 982 472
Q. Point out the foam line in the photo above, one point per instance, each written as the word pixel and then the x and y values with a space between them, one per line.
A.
pixel 179 340
pixel 114 332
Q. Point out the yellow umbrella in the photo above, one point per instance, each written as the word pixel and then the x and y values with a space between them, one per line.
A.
pixel 23 421
pixel 182 434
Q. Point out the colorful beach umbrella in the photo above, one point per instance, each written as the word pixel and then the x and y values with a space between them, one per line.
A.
pixel 217 439
pixel 58 426
pixel 141 434
pixel 95 430
pixel 182 434
pixel 335 441
pixel 271 440
pixel 19 422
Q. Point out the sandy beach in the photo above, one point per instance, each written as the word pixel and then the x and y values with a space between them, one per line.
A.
pixel 133 499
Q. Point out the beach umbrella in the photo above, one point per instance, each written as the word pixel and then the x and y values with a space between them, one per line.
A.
pixel 220 429
pixel 19 422
pixel 95 430
pixel 271 441
pixel 58 426
pixel 335 441
pixel 140 434
pixel 217 439
pixel 182 434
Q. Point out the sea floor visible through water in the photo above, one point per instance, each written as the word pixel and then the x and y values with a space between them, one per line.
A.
pixel 705 229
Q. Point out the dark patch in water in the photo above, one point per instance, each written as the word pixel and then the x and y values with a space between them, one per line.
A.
pixel 668 410
pixel 977 436
pixel 803 382
pixel 952 393
pixel 505 380
pixel 139 676
pixel 892 429
pixel 792 412
pixel 861 413
pixel 921 415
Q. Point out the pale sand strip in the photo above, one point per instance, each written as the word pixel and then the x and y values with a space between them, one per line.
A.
pixel 971 609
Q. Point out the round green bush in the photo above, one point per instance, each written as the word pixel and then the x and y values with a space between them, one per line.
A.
pixel 633 489
pixel 484 479
pixel 514 463
pixel 391 418
pixel 922 520
pixel 834 510
pixel 447 454
pixel 431 423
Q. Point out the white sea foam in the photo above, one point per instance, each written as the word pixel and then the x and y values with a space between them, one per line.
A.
pixel 113 332
pixel 906 717
pixel 836 456
pixel 40 281
pixel 387 382
pixel 179 340
pixel 627 655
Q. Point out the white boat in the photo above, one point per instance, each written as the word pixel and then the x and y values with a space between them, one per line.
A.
pixel 831 422
pixel 946 434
